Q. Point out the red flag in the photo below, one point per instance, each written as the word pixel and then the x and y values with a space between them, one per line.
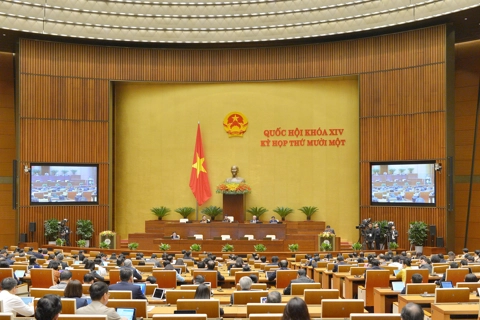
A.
pixel 199 178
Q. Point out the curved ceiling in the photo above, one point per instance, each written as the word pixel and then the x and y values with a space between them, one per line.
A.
pixel 227 21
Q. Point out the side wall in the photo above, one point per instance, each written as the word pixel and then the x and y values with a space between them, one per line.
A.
pixel 64 104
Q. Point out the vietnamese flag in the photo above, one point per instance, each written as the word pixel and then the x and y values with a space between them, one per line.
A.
pixel 199 178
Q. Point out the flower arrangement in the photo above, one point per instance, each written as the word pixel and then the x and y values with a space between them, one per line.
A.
pixel 233 188
pixel 108 233
pixel 327 235
pixel 326 245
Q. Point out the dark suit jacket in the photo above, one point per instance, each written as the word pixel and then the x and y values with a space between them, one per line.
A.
pixel 335 266
pixel 127 286
pixel 288 289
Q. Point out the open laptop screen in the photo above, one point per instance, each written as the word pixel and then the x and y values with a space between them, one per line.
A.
pixel 142 286
pixel 128 313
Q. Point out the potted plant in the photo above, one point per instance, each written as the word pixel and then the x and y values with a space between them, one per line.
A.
pixel 308 211
pixel 60 242
pixel 410 170
pixel 54 172
pixel 257 211
pixel 326 246
pixel 185 211
pixel 417 234
pixel 259 247
pixel 392 245
pixel 195 247
pixel 164 247
pixel 212 211
pixel 82 243
pixel 293 247
pixel 227 248
pixel 132 245
pixel 283 212
pixel 52 228
pixel 160 212
pixel 85 230
pixel 356 246
pixel 391 171
pixel 104 245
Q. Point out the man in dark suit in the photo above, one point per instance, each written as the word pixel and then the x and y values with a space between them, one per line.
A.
pixel 255 220
pixel 283 266
pixel 340 261
pixel 301 278
pixel 126 284
pixel 211 266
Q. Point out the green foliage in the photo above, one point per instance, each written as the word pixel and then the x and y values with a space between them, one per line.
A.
pixel 160 212
pixel 257 211
pixel 308 211
pixel 357 246
pixel 283 212
pixel 52 228
pixel 85 229
pixel 227 248
pixel 164 247
pixel 417 233
pixel 132 245
pixel 293 247
pixel 326 246
pixel 81 243
pixel 195 247
pixel 392 245
pixel 212 211
pixel 104 245
pixel 185 211
pixel 259 247
pixel 60 242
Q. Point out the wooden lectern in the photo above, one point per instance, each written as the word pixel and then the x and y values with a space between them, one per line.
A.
pixel 234 205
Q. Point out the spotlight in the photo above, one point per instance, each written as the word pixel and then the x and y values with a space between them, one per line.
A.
pixel 26 169
pixel 438 167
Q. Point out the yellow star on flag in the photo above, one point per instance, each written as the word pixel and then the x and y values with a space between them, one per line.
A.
pixel 199 165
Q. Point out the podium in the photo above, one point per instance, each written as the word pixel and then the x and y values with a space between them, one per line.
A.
pixel 111 240
pixel 334 241
pixel 235 205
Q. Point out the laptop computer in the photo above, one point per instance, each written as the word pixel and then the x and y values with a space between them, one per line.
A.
pixel 398 286
pixel 263 299
pixel 27 300
pixel 179 270
pixel 20 273
pixel 158 294
pixel 446 284
pixel 127 313
pixel 395 272
pixel 142 286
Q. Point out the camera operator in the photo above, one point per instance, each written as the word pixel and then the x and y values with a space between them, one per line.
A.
pixel 65 232
pixel 370 236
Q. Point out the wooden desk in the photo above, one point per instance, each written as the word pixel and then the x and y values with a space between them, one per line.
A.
pixel 338 280
pixel 403 299
pixel 383 299
pixel 317 274
pixel 326 277
pixel 351 285
pixel 443 311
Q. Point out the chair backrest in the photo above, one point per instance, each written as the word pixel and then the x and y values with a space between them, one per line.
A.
pixel 210 307
pixel 147 268
pixel 114 275
pixel 265 308
pixel 475 268
pixel 472 286
pixel 82 316
pixel 86 289
pixel 410 272
pixel 440 269
pixel 315 296
pixel 69 306
pixel 173 295
pixel 284 277
pixel 6 316
pixel 120 294
pixel 375 279
pixel 209 275
pixel 419 288
pixel 235 270
pixel 244 297
pixel 78 274
pixel 41 277
pixel 166 278
pixel 299 288
pixel 197 316
pixel 341 308
pixel 375 316
pixel 266 316
pixel 391 268
pixel 255 286
pixel 240 274
pixel 443 295
pixel 456 275
pixel 357 271
pixel 270 267
pixel 40 292
pixel 344 268
pixel 330 266
pixel 5 273
pixel 19 266
pixel 150 289
pixel 139 304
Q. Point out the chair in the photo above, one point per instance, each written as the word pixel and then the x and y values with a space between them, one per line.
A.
pixel 6 316
pixel 197 316
pixel 40 292
pixel 210 307
pixel 150 289
pixel 114 275
pixel 419 288
pixel 69 306
pixel 166 278
pixel 120 294
pixel 266 316
pixel 270 267
pixel 235 270
pixel 375 316
pixel 78 274
pixel 341 308
pixel 391 268
pixel 440 269
pixel 18 266
pixel 255 286
pixel 148 268
pixel 139 304
pixel 456 275
pixel 315 296
pixel 284 277
pixel 410 272
pixel 240 274
pixel 82 316
pixel 5 273
pixel 209 275
pixel 41 277
pixel 299 288
pixel 357 271
pixel 86 289
pixel 173 295
pixel 373 279
pixel 265 308
pixel 344 268
pixel 443 295
pixel 472 286
pixel 244 297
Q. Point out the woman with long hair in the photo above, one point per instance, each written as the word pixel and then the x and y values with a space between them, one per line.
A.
pixel 90 265
pixel 203 292
pixel 296 309
pixel 74 290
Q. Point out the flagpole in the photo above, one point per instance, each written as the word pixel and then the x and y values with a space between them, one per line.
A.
pixel 196 203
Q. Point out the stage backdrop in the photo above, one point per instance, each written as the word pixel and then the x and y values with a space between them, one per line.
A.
pixel 154 138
